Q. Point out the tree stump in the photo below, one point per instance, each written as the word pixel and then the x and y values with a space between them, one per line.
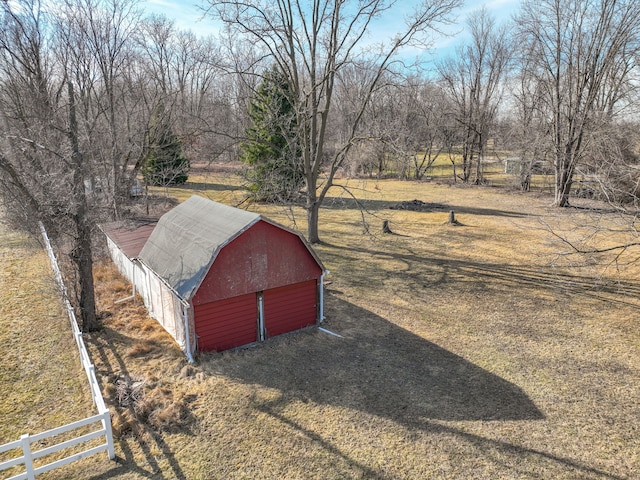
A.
pixel 385 227
pixel 452 219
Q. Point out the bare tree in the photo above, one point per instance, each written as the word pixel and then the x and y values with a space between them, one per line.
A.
pixel 42 165
pixel 370 152
pixel 186 79
pixel 405 116
pixel 612 170
pixel 583 55
pixel 474 80
pixel 71 124
pixel 204 115
pixel 420 138
pixel 312 43
pixel 527 130
pixel 157 44
pixel 430 102
pixel 99 40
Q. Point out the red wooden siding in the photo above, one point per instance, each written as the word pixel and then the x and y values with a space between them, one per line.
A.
pixel 290 308
pixel 228 323
pixel 262 258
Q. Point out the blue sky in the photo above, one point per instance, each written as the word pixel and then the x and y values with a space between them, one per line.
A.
pixel 187 16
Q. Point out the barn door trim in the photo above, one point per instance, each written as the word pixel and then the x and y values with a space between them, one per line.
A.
pixel 262 331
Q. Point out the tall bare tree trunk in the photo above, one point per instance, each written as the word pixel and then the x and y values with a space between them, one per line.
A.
pixel 313 208
pixel 564 182
pixel 82 254
pixel 313 213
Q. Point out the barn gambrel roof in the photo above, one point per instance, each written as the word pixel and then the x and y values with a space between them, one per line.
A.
pixel 187 239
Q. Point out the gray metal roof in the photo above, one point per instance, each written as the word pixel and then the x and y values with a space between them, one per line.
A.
pixel 187 239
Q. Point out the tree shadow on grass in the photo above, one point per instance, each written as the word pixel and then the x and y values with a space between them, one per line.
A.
pixel 378 206
pixel 216 187
pixel 383 370
pixel 432 271
pixel 107 344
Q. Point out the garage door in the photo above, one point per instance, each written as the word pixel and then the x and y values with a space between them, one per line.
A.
pixel 227 323
pixel 290 308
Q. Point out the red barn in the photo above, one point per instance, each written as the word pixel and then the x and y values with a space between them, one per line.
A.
pixel 217 277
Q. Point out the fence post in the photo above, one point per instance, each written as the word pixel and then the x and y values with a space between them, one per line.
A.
pixel 106 424
pixel 28 459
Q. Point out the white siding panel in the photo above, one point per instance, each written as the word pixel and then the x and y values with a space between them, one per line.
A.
pixel 124 265
pixel 161 302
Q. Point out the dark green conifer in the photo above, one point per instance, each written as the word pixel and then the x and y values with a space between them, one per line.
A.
pixel 165 165
pixel 271 153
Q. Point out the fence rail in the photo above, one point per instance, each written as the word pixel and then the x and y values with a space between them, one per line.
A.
pixel 28 455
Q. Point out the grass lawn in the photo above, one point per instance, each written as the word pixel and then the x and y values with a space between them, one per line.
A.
pixel 468 352
pixel 42 381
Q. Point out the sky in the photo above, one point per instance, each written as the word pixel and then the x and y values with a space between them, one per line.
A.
pixel 187 15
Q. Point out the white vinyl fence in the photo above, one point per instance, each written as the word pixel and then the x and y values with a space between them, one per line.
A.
pixel 103 418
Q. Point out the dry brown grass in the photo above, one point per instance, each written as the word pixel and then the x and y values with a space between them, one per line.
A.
pixel 469 352
pixel 42 382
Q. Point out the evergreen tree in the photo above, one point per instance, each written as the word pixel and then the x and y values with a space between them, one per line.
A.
pixel 165 165
pixel 271 152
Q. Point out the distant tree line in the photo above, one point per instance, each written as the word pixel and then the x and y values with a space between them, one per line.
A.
pixel 556 88
pixel 94 95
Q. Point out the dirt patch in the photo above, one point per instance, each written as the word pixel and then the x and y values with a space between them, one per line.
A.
pixel 419 206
